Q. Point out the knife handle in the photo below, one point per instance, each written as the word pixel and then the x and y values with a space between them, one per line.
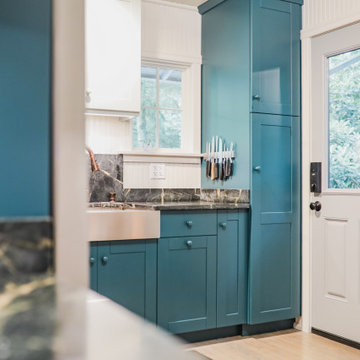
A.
pixel 216 171
pixel 208 168
pixel 212 171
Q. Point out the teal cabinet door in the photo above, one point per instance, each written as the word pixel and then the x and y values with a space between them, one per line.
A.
pixel 226 84
pixel 274 257
pixel 232 268
pixel 127 275
pixel 187 283
pixel 93 262
pixel 275 77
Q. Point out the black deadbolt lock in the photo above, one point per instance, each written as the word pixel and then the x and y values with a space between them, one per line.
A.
pixel 315 177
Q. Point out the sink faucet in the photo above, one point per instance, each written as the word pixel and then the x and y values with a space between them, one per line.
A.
pixel 94 165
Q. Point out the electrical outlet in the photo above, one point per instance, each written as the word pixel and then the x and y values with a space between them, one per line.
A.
pixel 157 171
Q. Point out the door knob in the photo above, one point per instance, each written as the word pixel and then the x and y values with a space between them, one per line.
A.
pixel 257 168
pixel 189 244
pixel 104 260
pixel 315 206
pixel 256 97
pixel 92 260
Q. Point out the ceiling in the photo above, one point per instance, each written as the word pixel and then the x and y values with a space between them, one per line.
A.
pixel 188 2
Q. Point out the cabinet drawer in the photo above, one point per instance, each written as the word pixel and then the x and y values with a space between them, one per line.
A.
pixel 188 223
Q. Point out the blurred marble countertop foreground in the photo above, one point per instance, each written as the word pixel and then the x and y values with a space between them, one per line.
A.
pixel 42 320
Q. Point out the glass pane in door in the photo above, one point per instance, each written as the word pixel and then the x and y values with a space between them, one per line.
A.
pixel 344 120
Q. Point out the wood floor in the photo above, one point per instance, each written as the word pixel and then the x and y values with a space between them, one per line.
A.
pixel 283 345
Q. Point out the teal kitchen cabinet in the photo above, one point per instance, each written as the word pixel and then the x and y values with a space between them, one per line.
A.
pixel 126 273
pixel 274 257
pixel 232 255
pixel 93 266
pixel 187 283
pixel 275 76
pixel 251 63
pixel 193 278
pixel 251 96
pixel 202 269
pixel 226 84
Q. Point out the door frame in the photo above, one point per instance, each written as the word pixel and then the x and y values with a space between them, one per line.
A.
pixel 68 138
pixel 305 323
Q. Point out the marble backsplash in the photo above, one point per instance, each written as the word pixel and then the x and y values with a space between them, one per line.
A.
pixel 110 179
pixel 26 252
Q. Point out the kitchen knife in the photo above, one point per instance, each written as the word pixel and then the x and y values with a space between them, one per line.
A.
pixel 225 163
pixel 213 158
pixel 231 171
pixel 216 170
pixel 208 164
pixel 221 169
pixel 228 163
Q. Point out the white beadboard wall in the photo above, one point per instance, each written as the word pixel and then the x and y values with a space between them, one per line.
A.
pixel 108 135
pixel 180 172
pixel 171 32
pixel 324 15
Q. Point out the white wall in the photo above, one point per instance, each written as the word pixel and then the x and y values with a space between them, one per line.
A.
pixel 319 16
pixel 171 33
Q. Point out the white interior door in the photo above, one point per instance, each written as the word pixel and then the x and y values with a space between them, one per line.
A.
pixel 335 142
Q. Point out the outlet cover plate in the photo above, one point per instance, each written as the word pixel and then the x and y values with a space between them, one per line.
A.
pixel 157 171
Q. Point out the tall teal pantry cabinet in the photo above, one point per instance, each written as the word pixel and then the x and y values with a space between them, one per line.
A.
pixel 251 96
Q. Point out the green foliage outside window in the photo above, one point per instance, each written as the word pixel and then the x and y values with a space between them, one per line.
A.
pixel 344 121
pixel 160 122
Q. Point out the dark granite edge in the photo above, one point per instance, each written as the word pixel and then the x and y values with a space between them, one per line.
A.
pixel 29 219
pixel 185 205
pixel 192 205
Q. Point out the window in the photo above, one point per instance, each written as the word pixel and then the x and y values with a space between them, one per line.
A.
pixel 159 125
pixel 344 120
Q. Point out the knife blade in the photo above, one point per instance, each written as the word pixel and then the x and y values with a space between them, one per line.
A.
pixel 221 169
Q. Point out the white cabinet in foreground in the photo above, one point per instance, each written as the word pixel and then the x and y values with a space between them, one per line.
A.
pixel 113 57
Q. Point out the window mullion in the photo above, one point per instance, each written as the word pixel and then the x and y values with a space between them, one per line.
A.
pixel 157 107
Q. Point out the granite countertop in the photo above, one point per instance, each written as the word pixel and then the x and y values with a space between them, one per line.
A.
pixel 43 321
pixel 173 205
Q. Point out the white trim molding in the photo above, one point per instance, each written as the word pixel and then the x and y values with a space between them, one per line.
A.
pixel 172 4
pixel 69 162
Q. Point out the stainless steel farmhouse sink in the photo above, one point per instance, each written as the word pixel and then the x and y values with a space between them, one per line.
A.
pixel 115 224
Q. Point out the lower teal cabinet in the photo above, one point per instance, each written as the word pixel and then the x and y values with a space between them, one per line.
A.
pixel 275 246
pixel 126 273
pixel 232 268
pixel 187 283
pixel 93 266
pixel 195 277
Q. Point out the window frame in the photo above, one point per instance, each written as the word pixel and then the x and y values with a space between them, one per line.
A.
pixel 187 121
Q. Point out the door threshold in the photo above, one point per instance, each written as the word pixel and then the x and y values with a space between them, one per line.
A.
pixel 336 338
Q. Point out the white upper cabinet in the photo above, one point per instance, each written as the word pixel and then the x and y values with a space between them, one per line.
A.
pixel 113 57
